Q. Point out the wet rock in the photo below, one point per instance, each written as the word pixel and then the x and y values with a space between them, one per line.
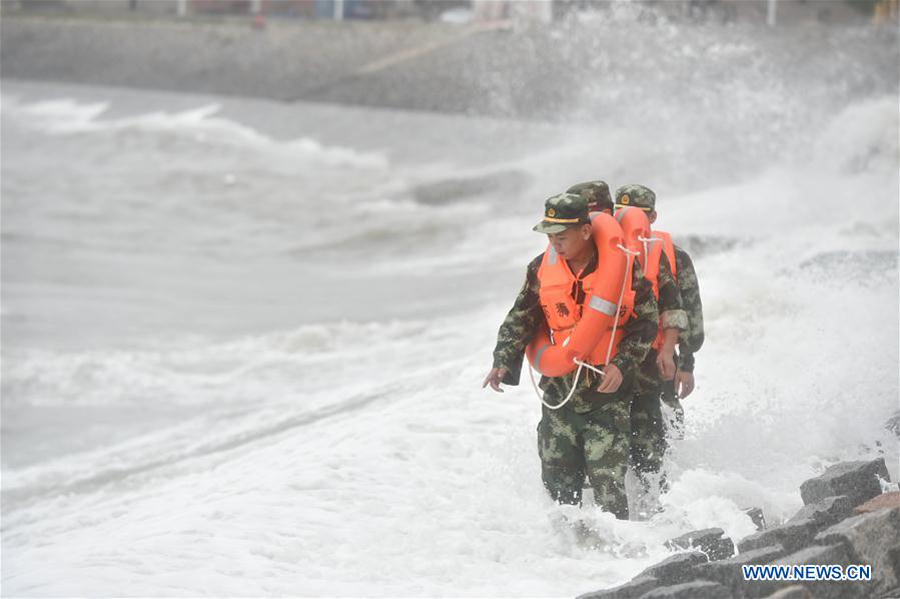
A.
pixel 630 590
pixel 503 183
pixel 893 424
pixel 676 568
pixel 699 589
pixel 799 531
pixel 874 539
pixel 810 556
pixel 819 555
pixel 792 536
pixel 756 516
pixel 857 480
pixel 728 571
pixel 797 591
pixel 710 541
pixel 825 512
pixel 886 500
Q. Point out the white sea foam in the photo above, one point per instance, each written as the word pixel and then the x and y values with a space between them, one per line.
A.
pixel 201 125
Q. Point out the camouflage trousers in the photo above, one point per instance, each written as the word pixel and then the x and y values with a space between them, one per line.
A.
pixel 648 428
pixel 648 437
pixel 595 444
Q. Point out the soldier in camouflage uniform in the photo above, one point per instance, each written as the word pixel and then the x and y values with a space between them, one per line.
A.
pixel 596 193
pixel 655 378
pixel 590 435
pixel 691 340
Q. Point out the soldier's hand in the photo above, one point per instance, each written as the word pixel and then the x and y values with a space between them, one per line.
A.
pixel 612 381
pixel 684 384
pixel 665 362
pixel 494 378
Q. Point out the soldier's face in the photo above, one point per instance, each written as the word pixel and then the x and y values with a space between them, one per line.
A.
pixel 572 242
pixel 597 207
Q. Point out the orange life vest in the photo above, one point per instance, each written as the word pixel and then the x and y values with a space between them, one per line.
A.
pixel 581 327
pixel 669 249
pixel 639 238
pixel 650 246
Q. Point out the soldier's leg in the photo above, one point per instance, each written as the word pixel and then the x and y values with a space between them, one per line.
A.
pixel 648 441
pixel 562 455
pixel 606 444
pixel 647 432
pixel 675 427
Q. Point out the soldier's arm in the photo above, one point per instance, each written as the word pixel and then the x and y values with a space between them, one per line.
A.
pixel 691 340
pixel 519 326
pixel 640 331
pixel 671 311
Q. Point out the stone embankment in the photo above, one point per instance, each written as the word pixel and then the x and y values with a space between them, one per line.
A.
pixel 846 520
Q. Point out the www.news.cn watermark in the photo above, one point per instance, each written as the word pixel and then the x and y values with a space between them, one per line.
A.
pixel 804 572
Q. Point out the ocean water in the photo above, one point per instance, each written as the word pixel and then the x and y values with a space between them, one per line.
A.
pixel 243 341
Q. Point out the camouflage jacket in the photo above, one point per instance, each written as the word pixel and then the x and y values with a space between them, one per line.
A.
pixel 691 340
pixel 526 316
pixel 671 310
pixel 671 316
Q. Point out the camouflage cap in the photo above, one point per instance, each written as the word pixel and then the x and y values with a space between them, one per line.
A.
pixel 596 193
pixel 563 211
pixel 637 196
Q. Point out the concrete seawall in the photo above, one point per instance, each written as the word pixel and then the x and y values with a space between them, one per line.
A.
pixel 398 64
pixel 282 61
pixel 570 70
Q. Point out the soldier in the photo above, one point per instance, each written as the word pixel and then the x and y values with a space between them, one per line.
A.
pixel 658 371
pixel 690 341
pixel 596 193
pixel 590 434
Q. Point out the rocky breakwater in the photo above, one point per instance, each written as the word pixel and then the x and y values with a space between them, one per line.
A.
pixel 846 520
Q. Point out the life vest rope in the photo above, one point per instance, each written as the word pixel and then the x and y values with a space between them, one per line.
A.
pixel 581 364
pixel 631 255
pixel 646 241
